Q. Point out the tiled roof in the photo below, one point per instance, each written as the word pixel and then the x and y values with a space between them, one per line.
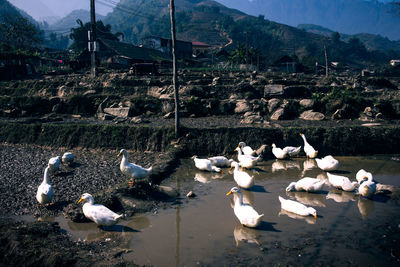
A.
pixel 135 52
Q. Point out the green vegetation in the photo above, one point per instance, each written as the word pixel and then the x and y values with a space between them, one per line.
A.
pixel 80 34
pixel 340 98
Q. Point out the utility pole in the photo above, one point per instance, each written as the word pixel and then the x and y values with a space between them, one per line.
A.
pixel 247 47
pixel 176 93
pixel 326 62
pixel 92 38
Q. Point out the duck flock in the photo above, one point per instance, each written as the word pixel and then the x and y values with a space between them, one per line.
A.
pixel 364 186
pixel 247 159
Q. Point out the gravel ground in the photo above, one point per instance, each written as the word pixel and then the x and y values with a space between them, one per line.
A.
pixel 22 168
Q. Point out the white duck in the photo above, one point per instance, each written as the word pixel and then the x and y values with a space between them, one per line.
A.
pixel 205 165
pixel 362 174
pixel 367 187
pixel 328 163
pixel 308 149
pixel 97 213
pixel 54 164
pixel 292 151
pixel 246 214
pixel 297 207
pixel 67 158
pixel 246 161
pixel 242 178
pixel 341 182
pixel 279 153
pixel 247 150
pixel 132 170
pixel 221 161
pixel 306 184
pixel 45 192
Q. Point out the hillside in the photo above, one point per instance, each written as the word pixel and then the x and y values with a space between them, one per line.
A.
pixel 209 22
pixel 69 21
pixel 371 41
pixel 212 23
pixel 347 16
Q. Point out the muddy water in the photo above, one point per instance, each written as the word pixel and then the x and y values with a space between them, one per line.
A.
pixel 205 231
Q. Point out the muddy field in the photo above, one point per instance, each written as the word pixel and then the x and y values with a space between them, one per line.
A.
pixel 37 242
pixel 43 243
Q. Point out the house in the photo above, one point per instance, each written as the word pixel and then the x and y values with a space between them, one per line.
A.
pixel 183 49
pixel 395 62
pixel 124 54
pixel 286 64
pixel 200 48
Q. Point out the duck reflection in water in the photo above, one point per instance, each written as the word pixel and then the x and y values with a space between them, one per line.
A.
pixel 206 177
pixel 308 165
pixel 280 165
pixel 341 196
pixel 245 234
pixel 307 219
pixel 308 199
pixel 366 207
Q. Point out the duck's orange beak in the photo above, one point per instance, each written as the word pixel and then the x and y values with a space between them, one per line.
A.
pixel 230 192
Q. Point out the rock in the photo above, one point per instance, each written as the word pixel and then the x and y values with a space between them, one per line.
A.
pixel 273 90
pixel 252 119
pixel 242 106
pixel 190 194
pixel 167 190
pixel 118 112
pixel 90 92
pixel 169 115
pixel 104 116
pixel 139 119
pixel 312 116
pixel 167 107
pixel 215 81
pixel 307 103
pixel 278 114
pixel 339 114
pixel 273 104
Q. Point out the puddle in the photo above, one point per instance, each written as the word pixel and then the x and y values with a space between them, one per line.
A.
pixel 204 230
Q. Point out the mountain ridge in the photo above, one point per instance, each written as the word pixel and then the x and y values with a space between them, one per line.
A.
pixel 347 16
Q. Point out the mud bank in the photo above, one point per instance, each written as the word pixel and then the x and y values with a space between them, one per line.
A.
pixel 350 139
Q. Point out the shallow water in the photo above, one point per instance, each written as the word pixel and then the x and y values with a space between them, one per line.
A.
pixel 205 231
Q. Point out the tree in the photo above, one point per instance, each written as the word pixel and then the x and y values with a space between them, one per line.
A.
pixel 19 33
pixel 80 34
pixel 335 37
pixel 238 55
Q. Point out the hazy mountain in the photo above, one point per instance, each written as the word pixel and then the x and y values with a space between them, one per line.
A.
pixel 69 21
pixel 347 16
pixel 35 8
pixel 371 41
pixel 44 9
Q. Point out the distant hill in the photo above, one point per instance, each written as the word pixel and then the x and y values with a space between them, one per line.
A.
pixel 69 21
pixel 371 41
pixel 7 9
pixel 347 16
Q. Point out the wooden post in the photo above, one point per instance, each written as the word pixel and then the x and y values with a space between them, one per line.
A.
pixel 174 82
pixel 92 40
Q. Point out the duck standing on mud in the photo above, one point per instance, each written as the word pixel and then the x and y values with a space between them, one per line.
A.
pixel 45 192
pixel 132 170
